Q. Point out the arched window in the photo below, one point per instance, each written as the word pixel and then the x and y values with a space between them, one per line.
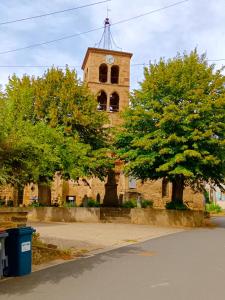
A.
pixel 103 73
pixel 114 102
pixel 115 75
pixel 102 101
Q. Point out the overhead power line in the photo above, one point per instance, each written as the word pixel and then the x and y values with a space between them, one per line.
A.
pixel 147 64
pixel 38 66
pixel 92 30
pixel 220 59
pixel 53 13
pixel 150 12
pixel 79 66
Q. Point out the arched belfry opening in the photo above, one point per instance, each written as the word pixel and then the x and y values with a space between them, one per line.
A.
pixel 102 101
pixel 114 102
pixel 103 73
pixel 115 74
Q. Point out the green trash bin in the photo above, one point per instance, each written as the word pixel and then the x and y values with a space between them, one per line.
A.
pixel 18 247
pixel 3 257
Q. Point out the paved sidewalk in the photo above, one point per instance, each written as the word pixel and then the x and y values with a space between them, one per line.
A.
pixel 93 236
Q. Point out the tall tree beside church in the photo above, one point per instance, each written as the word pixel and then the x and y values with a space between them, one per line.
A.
pixel 56 128
pixel 175 127
pixel 62 101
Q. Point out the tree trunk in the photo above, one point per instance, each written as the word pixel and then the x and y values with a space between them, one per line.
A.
pixel 178 189
pixel 111 197
pixel 44 194
pixel 20 190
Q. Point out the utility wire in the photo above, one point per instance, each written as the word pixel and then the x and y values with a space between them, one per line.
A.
pixel 220 59
pixel 147 64
pixel 79 66
pixel 53 13
pixel 52 41
pixel 92 30
pixel 47 66
pixel 150 12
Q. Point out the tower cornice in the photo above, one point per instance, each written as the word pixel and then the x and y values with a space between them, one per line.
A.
pixel 104 51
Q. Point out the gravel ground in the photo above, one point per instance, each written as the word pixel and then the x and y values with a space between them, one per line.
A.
pixel 97 235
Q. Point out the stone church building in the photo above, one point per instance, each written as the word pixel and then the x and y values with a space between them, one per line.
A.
pixel 107 74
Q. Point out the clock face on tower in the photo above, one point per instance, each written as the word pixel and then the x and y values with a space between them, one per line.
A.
pixel 109 59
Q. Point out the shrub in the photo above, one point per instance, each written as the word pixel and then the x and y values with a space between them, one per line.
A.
pixel 36 204
pixel 130 204
pixel 213 207
pixel 2 203
pixel 69 204
pixel 146 203
pixel 176 206
pixel 92 203
pixel 10 203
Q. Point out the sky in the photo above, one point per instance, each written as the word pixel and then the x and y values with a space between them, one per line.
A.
pixel 195 23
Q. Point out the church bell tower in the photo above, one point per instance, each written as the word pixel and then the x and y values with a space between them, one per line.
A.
pixel 107 73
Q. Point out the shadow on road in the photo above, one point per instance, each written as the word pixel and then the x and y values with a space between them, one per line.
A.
pixel 22 285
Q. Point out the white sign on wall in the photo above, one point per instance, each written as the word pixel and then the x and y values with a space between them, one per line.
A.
pixel 26 246
pixel 132 183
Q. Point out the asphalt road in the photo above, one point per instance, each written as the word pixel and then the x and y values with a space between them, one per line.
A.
pixel 180 266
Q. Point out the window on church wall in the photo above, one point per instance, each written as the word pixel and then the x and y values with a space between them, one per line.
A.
pixel 114 102
pixel 132 184
pixel 165 187
pixel 115 75
pixel 102 101
pixel 103 73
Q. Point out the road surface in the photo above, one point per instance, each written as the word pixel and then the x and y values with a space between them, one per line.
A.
pixel 181 266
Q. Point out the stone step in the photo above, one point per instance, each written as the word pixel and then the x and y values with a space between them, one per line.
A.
pixel 122 220
pixel 114 212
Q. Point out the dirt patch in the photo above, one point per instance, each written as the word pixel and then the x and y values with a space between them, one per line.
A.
pixel 44 253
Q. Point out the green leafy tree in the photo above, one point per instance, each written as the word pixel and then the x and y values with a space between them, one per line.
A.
pixel 62 100
pixel 51 125
pixel 175 126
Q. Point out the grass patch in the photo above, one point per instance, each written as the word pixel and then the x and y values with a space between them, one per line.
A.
pixel 213 208
pixel 131 241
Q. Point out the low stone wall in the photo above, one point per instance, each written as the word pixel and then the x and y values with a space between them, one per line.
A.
pixel 64 214
pixel 168 218
pixel 12 217
pixel 146 216
pixel 115 215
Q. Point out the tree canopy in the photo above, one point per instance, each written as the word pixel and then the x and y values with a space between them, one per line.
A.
pixel 175 126
pixel 50 124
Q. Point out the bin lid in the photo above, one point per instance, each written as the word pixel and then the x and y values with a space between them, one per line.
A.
pixel 3 234
pixel 21 230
